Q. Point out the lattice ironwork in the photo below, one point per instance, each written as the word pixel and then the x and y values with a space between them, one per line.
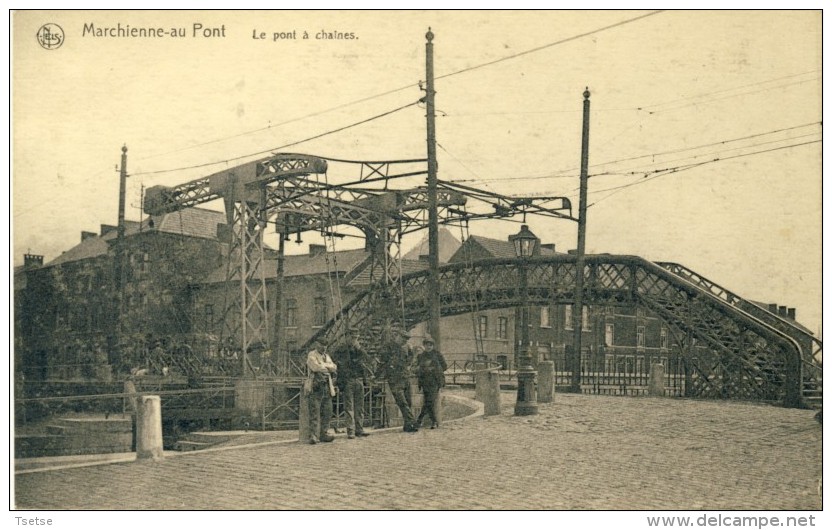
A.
pixel 745 357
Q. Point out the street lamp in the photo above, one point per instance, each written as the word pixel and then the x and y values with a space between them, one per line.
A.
pixel 525 246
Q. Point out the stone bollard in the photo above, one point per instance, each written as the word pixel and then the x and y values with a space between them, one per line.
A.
pixel 489 383
pixel 656 384
pixel 149 428
pixel 545 381
pixel 303 416
pixel 479 386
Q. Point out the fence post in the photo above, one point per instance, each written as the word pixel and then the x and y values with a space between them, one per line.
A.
pixel 656 384
pixel 149 428
pixel 546 381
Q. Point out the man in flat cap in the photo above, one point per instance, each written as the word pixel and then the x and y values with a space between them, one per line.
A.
pixel 398 359
pixel 354 368
pixel 430 370
pixel 321 371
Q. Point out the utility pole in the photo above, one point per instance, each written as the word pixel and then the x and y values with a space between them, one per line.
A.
pixel 433 216
pixel 118 266
pixel 577 313
pixel 280 353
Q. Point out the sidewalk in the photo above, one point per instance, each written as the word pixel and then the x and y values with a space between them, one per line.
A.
pixel 580 452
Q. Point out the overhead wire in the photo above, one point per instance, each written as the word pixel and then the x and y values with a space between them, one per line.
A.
pixel 405 87
pixel 670 171
pixel 562 174
pixel 270 150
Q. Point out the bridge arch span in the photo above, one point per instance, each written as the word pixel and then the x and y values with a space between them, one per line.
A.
pixel 749 358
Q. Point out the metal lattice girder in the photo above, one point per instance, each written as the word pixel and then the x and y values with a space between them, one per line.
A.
pixel 231 182
pixel 245 314
pixel 745 358
pixel 773 320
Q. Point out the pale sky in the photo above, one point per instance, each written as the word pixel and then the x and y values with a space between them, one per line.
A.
pixel 734 83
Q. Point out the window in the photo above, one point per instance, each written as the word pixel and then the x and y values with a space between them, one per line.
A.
pixel 482 323
pixel 319 312
pixel 567 317
pixel 640 312
pixel 585 318
pixel 502 328
pixel 544 317
pixel 610 310
pixel 640 336
pixel 291 313
pixel 663 338
pixel 209 318
pixel 609 335
pixel 503 360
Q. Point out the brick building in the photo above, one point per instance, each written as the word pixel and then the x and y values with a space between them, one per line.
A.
pixel 65 311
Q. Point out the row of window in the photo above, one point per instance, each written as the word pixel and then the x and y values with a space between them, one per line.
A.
pixel 502 327
pixel 319 313
pixel 609 336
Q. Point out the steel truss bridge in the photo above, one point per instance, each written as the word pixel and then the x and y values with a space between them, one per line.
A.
pixel 294 194
pixel 750 354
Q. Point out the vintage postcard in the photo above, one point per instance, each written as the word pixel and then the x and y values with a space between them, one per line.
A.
pixel 418 260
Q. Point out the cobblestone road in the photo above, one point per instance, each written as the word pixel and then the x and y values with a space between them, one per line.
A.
pixel 581 452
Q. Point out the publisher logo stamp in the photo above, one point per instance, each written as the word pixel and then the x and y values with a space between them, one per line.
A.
pixel 50 36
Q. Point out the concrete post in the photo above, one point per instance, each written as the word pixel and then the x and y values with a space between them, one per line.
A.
pixel 149 428
pixel 480 382
pixel 545 381
pixel 488 384
pixel 656 384
pixel 303 416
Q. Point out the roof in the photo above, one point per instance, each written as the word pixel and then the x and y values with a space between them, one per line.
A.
pixel 448 245
pixel 500 248
pixel 408 266
pixel 190 222
pixel 794 323
pixel 342 262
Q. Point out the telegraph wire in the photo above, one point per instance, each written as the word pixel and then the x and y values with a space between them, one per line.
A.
pixel 271 150
pixel 670 171
pixel 635 170
pixel 644 107
pixel 401 88
pixel 721 142
pixel 694 103
pixel 545 46
pixel 562 174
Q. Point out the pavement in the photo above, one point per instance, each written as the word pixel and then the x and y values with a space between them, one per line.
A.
pixel 581 452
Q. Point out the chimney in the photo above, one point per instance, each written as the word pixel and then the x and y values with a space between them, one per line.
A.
pixel 548 246
pixel 424 257
pixel 106 229
pixel 31 261
pixel 87 235
pixel 572 252
pixel 772 308
pixel 792 313
pixel 783 311
pixel 314 249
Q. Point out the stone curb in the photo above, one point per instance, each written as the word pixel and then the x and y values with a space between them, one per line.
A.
pixel 479 410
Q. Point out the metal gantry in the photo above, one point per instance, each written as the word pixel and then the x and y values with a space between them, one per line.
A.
pixel 293 193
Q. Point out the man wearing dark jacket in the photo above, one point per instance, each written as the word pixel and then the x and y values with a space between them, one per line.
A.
pixel 353 369
pixel 430 370
pixel 397 359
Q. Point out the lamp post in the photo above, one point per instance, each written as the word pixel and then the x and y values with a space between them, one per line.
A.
pixel 525 246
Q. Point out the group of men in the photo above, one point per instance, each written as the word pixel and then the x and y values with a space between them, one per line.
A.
pixel 350 368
